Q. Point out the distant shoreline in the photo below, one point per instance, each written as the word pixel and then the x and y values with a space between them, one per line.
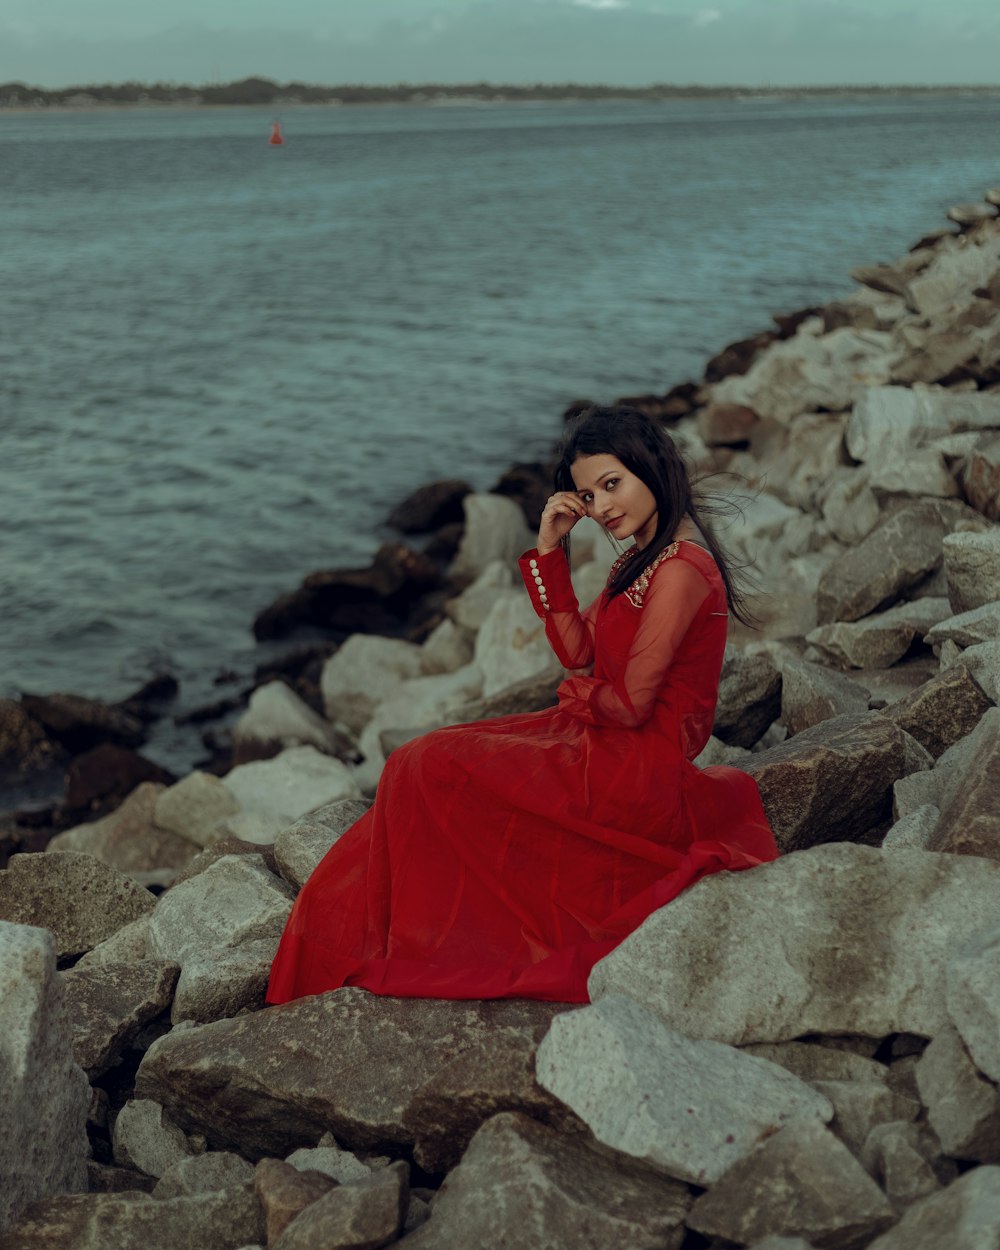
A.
pixel 263 92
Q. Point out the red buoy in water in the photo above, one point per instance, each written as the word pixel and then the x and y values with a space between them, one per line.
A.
pixel 276 136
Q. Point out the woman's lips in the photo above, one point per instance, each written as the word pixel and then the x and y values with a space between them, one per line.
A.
pixel 614 521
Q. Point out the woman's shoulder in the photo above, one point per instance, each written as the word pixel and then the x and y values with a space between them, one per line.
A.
pixel 684 552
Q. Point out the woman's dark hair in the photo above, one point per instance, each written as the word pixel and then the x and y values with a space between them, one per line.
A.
pixel 648 451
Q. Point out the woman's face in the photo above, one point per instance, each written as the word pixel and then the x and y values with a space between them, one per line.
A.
pixel 616 498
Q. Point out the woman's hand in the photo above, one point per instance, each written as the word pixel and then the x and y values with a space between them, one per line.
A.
pixel 560 514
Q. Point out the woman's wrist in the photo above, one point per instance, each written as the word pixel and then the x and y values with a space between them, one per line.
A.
pixel 545 551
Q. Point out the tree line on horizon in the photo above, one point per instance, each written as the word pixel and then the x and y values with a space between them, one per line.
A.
pixel 266 91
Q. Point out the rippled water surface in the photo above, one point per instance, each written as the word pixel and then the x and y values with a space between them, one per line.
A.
pixel 222 363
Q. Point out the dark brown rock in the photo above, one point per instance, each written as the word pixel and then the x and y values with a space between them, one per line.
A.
pixel 375 599
pixel 737 357
pixel 445 1113
pixel 884 278
pixel 896 556
pixel 749 699
pixel 105 1178
pixel 78 898
pixel 831 783
pixel 726 425
pixel 802 1182
pixel 225 1220
pixel 80 723
pixel 981 477
pixel 812 693
pixel 284 1193
pixel 24 745
pixel 104 777
pixel 109 1005
pixel 431 506
pixel 150 701
pixel 528 485
pixel 942 711
pixel 788 323
pixel 347 1062
pixel 532 695
pixel 362 1215
pixel 522 1186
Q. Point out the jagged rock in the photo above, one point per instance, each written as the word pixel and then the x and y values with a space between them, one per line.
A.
pixel 886 278
pixel 811 1062
pixel 105 776
pixel 960 264
pixel 962 1106
pixel 967 629
pixel 878 641
pixel 981 477
pixel 429 507
pixel 983 662
pixel 495 529
pixel 831 782
pixel 942 711
pixel 971 214
pixel 688 1108
pixel 300 847
pixel 449 1107
pixel 511 646
pixel 850 509
pixel 146 1138
pixel 726 425
pixel 196 808
pixel 914 831
pixel 203 1174
pixel 811 693
pixel 127 945
pixel 764 935
pixel 274 793
pixel 860 1106
pixel 222 927
pixel 522 1186
pixel 905 1159
pixel 972 567
pixel 79 724
pixel 749 698
pixel 446 649
pixel 970 806
pixel 533 695
pixel 110 1004
pixel 973 999
pixel 895 557
pixel 800 1182
pixel 24 745
pixel 361 1215
pixel 276 719
pixel 469 609
pixel 811 371
pixel 227 1220
pixel 925 474
pixel 363 672
pixel 129 839
pixel 78 898
pixel 888 423
pixel 348 1062
pixel 285 1192
pixel 329 1160
pixel 965 1216
pixel 43 1092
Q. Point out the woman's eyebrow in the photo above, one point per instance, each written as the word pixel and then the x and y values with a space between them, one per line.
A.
pixel 610 473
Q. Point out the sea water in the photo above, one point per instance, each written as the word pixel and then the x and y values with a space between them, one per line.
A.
pixel 223 362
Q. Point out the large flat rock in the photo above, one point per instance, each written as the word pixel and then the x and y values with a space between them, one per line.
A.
pixel 348 1062
pixel 837 939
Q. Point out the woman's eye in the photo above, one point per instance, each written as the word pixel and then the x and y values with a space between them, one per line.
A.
pixel 611 483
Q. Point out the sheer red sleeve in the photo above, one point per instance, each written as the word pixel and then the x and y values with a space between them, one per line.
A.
pixel 570 632
pixel 676 592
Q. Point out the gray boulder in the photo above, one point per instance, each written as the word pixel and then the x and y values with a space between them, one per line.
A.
pixel 79 899
pixel 906 1160
pixel 361 1215
pixel 146 1138
pixel 522 1186
pixel 748 957
pixel 973 998
pixel 43 1092
pixel 942 711
pixel 965 1216
pixel 972 567
pixel 963 1107
pixel 811 693
pixel 129 839
pixel 203 1174
pixel 299 848
pixel 110 1004
pixel 688 1108
pixel 878 641
pixel 749 698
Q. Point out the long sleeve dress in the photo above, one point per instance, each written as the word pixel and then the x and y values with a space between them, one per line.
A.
pixel 503 858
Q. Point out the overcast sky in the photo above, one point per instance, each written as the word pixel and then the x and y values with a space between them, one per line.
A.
pixel 58 42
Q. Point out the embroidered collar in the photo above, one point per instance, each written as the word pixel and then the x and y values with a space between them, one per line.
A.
pixel 636 593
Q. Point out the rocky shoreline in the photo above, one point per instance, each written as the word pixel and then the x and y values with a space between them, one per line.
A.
pixel 804 1055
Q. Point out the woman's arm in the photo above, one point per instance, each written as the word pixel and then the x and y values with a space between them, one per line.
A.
pixel 570 633
pixel 675 594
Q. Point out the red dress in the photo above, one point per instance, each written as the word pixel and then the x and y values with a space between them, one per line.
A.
pixel 503 858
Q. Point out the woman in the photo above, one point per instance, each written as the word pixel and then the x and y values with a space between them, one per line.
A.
pixel 504 858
